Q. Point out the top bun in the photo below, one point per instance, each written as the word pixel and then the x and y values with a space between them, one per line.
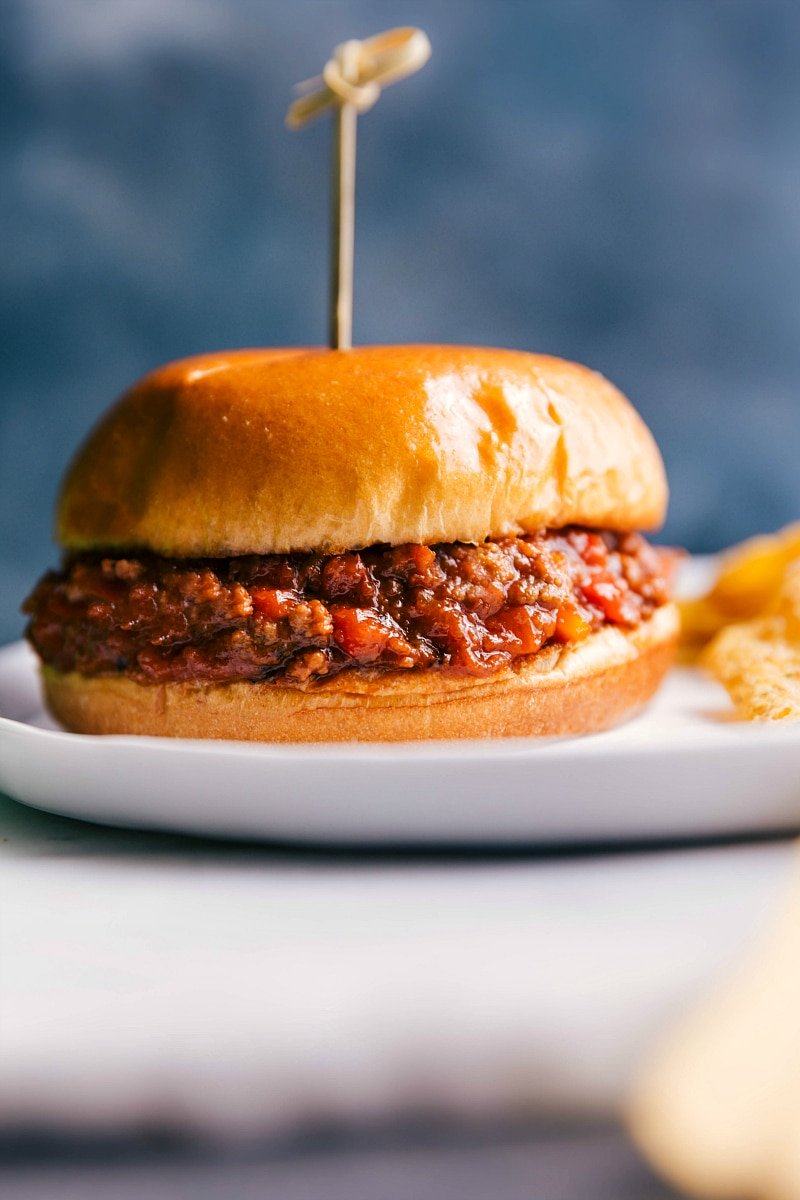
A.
pixel 270 451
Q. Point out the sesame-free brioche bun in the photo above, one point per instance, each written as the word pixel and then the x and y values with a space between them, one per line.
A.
pixel 273 451
pixel 561 690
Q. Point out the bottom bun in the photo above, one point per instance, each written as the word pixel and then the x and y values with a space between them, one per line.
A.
pixel 561 690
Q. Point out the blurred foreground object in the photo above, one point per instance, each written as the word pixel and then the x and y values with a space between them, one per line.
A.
pixel 749 624
pixel 718 1108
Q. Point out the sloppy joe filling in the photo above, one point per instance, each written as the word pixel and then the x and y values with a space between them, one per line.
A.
pixel 297 618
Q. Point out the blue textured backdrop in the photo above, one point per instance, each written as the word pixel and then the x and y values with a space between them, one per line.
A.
pixel 616 181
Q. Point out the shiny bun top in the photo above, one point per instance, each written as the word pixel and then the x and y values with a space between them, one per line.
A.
pixel 272 451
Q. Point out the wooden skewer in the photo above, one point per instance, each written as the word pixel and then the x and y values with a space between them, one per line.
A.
pixel 351 83
pixel 343 210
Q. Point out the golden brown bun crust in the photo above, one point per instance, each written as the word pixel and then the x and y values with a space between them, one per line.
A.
pixel 580 690
pixel 269 451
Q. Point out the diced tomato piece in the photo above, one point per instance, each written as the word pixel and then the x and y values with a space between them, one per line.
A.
pixel 272 603
pixel 613 600
pixel 591 547
pixel 422 556
pixel 520 625
pixel 348 575
pixel 415 564
pixel 361 632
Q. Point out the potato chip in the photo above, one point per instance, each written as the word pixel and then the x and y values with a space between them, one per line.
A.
pixel 788 603
pixel 752 573
pixel 756 659
pixel 759 667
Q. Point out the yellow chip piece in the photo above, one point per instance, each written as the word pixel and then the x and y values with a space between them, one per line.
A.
pixel 752 572
pixel 760 668
pixel 788 603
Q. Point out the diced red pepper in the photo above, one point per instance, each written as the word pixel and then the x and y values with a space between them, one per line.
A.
pixel 572 625
pixel 613 600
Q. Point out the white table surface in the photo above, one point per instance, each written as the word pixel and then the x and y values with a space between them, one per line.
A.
pixel 237 991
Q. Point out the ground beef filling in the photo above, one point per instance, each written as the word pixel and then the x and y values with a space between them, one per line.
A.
pixel 297 618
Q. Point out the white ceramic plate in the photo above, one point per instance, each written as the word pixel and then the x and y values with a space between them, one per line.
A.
pixel 683 769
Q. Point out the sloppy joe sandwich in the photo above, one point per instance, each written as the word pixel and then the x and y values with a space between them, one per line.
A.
pixel 378 544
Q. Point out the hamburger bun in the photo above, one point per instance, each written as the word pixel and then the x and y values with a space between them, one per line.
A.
pixel 273 451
